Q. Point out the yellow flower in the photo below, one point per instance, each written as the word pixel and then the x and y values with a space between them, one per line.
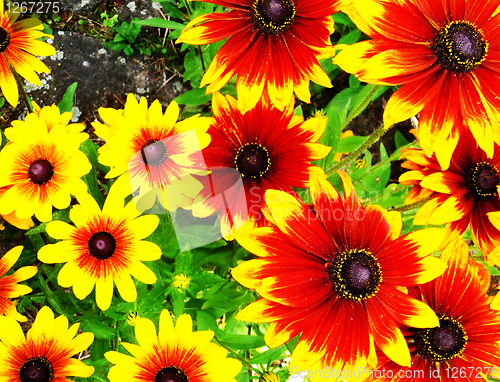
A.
pixel 175 354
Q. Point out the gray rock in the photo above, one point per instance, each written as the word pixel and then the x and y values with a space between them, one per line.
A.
pixel 78 5
pixel 104 77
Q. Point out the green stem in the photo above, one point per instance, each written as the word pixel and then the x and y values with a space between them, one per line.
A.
pixel 352 156
pixel 412 206
pixel 361 106
pixel 236 355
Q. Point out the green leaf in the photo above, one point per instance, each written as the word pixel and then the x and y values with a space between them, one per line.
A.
pixel 331 135
pixel 183 262
pixel 194 97
pixel 66 103
pixel 268 356
pixel 160 23
pixel 243 342
pixel 351 37
pixel 92 324
pixel 89 148
pixel 342 18
pixel 399 139
pixel 349 144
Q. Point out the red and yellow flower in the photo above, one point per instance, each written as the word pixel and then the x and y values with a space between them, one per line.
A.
pixel 19 46
pixel 460 196
pixel 42 165
pixel 337 273
pixel 265 149
pixel 155 153
pixel 273 46
pixel 9 287
pixel 466 345
pixel 445 54
pixel 174 354
pixel 46 353
pixel 105 247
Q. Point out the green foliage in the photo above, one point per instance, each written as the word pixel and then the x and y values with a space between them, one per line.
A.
pixel 126 38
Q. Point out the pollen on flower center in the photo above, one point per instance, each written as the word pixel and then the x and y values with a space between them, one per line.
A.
pixel 171 374
pixel 460 46
pixel 482 180
pixel 355 274
pixel 252 161
pixel 102 245
pixel 37 369
pixel 154 153
pixel 442 343
pixel 40 171
pixel 273 16
pixel 4 40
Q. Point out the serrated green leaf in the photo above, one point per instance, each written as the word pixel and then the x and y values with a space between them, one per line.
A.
pixel 399 139
pixel 96 326
pixel 194 97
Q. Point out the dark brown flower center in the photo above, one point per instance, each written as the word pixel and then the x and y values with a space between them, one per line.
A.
pixel 355 274
pixel 171 374
pixel 102 245
pixel 442 343
pixel 40 171
pixel 37 369
pixel 482 180
pixel 154 153
pixel 4 40
pixel 252 161
pixel 273 16
pixel 460 46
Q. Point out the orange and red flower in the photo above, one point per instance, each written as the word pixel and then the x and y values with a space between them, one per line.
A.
pixel 273 46
pixel 336 273
pixel 445 54
pixel 266 149
pixel 460 196
pixel 466 345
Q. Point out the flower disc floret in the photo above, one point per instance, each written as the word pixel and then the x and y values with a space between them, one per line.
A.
pixel 4 40
pixel 460 46
pixel 273 16
pixel 443 343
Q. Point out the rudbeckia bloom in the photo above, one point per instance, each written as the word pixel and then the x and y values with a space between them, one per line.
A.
pixel 156 153
pixel 41 167
pixel 105 247
pixel 46 353
pixel 274 47
pixel 9 287
pixel 18 46
pixel 336 273
pixel 267 148
pixel 445 55
pixel 466 345
pixel 462 195
pixel 176 354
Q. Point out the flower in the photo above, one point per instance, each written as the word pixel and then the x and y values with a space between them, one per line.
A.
pixel 156 153
pixel 336 273
pixel 19 44
pixel 175 354
pixel 9 287
pixel 466 345
pixel 274 47
pixel 266 149
pixel 41 168
pixel 445 56
pixel 105 247
pixel 460 196
pixel 46 353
